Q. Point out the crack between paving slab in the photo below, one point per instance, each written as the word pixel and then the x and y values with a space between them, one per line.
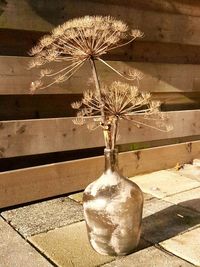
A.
pixel 27 241
pixel 158 246
pixel 163 198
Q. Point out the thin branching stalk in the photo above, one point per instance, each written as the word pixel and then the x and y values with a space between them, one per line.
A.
pixel 97 85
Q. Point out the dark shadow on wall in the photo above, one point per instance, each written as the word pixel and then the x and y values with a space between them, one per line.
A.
pixel 57 12
pixel 171 221
pixel 3 4
pixel 63 8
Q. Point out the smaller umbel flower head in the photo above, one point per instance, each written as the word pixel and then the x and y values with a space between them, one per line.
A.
pixel 77 41
pixel 121 101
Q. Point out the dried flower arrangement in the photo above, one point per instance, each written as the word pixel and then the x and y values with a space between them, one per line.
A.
pixel 87 39
pixel 112 204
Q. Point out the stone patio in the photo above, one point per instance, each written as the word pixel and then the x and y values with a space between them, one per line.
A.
pixel 52 233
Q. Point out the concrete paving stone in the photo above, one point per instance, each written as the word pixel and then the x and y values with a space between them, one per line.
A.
pixel 196 162
pixel 16 252
pixel 78 197
pixel 164 183
pixel 149 257
pixel 189 199
pixel 165 220
pixel 41 217
pixel 185 246
pixel 154 206
pixel 190 171
pixel 69 246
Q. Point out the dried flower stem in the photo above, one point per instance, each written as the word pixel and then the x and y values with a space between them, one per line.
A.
pixel 97 85
pixel 115 131
pixel 106 127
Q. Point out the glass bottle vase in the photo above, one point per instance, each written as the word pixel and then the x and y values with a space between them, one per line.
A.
pixel 113 210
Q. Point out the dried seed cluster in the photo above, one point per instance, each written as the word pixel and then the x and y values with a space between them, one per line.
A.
pixel 76 41
pixel 121 101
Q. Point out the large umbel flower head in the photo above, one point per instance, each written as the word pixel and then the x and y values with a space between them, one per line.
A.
pixel 77 41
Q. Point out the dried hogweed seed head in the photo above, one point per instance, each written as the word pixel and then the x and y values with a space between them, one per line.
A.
pixel 124 101
pixel 77 41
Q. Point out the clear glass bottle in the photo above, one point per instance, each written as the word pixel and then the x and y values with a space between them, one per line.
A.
pixel 113 210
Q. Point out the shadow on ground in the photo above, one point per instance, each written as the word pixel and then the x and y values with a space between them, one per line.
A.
pixel 170 222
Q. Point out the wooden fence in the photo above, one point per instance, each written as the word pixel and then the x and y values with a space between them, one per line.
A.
pixel 41 125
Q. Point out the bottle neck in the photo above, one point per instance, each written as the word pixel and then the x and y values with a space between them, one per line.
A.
pixel 111 159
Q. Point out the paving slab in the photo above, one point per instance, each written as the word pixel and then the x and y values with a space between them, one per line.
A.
pixel 150 257
pixel 190 171
pixel 155 205
pixel 164 183
pixel 189 199
pixel 16 252
pixel 196 162
pixel 41 217
pixel 78 197
pixel 68 246
pixel 186 246
pixel 165 221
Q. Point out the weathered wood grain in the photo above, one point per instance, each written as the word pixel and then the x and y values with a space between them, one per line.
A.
pixel 186 7
pixel 15 78
pixel 36 183
pixel 29 137
pixel 20 162
pixel 158 26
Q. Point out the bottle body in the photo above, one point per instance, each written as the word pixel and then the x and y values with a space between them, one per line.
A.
pixel 113 211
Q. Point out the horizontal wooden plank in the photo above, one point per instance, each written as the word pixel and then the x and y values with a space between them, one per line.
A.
pixel 15 78
pixel 19 42
pixel 20 107
pixel 158 26
pixel 20 162
pixel 188 7
pixel 36 183
pixel 28 137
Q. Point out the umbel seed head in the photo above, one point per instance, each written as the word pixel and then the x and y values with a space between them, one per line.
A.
pixel 75 42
